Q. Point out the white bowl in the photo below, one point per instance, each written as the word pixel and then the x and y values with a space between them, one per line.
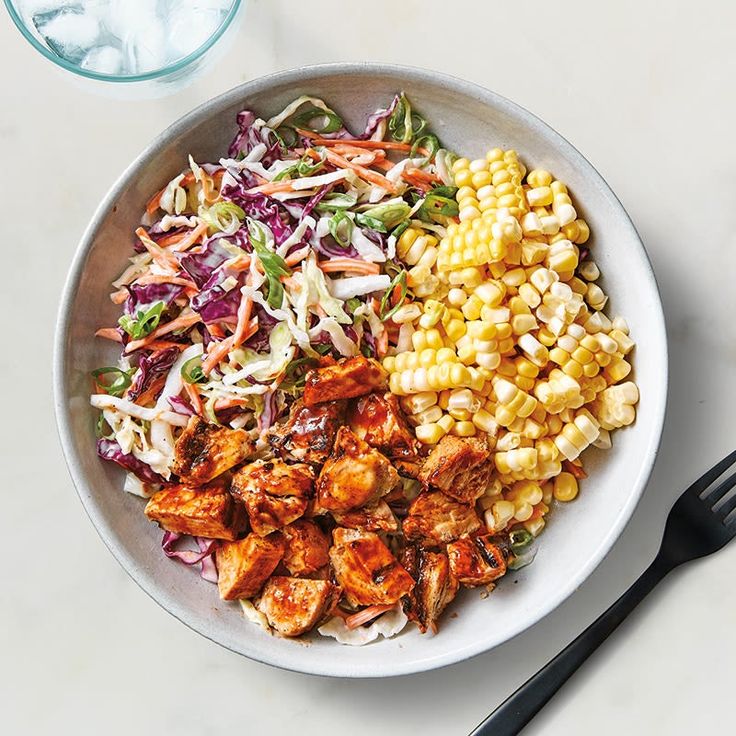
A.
pixel 470 120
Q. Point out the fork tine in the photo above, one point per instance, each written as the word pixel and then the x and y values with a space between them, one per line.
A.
pixel 713 496
pixel 727 507
pixel 707 478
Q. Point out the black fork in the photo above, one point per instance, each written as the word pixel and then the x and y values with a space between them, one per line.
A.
pixel 698 525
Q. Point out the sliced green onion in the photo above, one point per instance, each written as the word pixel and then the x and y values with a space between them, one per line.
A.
pixel 316 120
pixel 398 280
pixel 287 137
pixel 336 201
pixel 436 204
pixel 209 411
pixel 113 380
pixel 295 374
pixel 341 228
pixel 405 125
pixel 519 540
pixel 428 141
pixel 144 323
pixel 372 223
pixel 303 167
pixel 100 425
pixel 221 215
pixel 274 266
pixel 353 303
pixel 192 371
pixel 445 191
pixel 390 214
pixel 399 229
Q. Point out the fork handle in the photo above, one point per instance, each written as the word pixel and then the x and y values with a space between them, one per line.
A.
pixel 520 707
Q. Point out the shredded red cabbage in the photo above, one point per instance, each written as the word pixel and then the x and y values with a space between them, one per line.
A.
pixel 249 137
pixel 268 416
pixel 141 297
pixel 260 341
pixel 214 304
pixel 205 556
pixel 180 406
pixel 150 367
pixel 200 264
pixel 111 450
pixel 261 208
pixel 375 119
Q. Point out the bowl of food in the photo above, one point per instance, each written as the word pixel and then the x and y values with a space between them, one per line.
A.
pixel 347 335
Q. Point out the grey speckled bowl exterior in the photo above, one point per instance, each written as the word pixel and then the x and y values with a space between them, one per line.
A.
pixel 468 119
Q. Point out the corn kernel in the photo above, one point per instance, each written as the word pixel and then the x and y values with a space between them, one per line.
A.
pixel 464 429
pixel 565 487
pixel 429 434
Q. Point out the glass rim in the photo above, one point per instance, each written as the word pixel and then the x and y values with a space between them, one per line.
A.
pixel 119 78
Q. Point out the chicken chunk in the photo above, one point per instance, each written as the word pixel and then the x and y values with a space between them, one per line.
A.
pixel 274 477
pixel 309 432
pixel 435 518
pixel 207 511
pixel 293 606
pixel 366 570
pixel 274 493
pixel 204 451
pixel 476 561
pixel 461 467
pixel 245 565
pixel 354 475
pixel 307 547
pixel 435 589
pixel 377 517
pixel 346 379
pixel 378 419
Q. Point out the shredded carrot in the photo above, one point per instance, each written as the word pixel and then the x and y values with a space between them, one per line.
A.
pixel 219 350
pixel 179 323
pixel 366 615
pixel 574 469
pixel 244 310
pixel 273 187
pixel 384 164
pixel 109 333
pixel 165 344
pixel 239 263
pixel 160 255
pixel 216 353
pixel 216 331
pixel 194 398
pixel 332 142
pixel 150 393
pixel 418 183
pixel 119 296
pixel 382 344
pixel 291 282
pixel 296 257
pixel 155 202
pixel 154 278
pixel 422 175
pixel 372 176
pixel 230 403
pixel 354 265
pixel 191 238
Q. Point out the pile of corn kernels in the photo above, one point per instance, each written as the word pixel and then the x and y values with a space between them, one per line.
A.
pixel 509 337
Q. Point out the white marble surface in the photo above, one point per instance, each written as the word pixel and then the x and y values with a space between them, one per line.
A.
pixel 645 91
